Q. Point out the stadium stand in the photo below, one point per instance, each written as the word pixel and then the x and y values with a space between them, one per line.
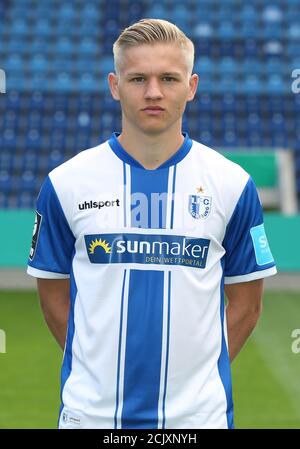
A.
pixel 56 55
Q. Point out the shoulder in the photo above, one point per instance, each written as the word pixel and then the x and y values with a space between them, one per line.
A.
pixel 219 167
pixel 214 157
pixel 79 163
pixel 226 180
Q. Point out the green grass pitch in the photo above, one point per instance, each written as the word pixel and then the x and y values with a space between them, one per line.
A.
pixel 266 374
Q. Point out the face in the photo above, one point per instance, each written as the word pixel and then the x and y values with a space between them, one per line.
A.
pixel 153 86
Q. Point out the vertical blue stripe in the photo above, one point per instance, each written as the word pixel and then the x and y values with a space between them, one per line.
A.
pixel 173 198
pixel 67 361
pixel 143 350
pixel 223 361
pixel 124 193
pixel 119 350
pixel 144 213
pixel 167 351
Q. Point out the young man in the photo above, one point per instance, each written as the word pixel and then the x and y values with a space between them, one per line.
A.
pixel 136 241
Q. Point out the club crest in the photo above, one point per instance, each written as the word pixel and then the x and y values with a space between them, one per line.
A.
pixel 199 206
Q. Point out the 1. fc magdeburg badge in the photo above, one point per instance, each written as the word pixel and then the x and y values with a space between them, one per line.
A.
pixel 199 206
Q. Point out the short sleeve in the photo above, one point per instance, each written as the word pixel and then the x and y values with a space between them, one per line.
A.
pixel 53 241
pixel 248 255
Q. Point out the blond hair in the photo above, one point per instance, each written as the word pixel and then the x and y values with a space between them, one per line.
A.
pixel 151 32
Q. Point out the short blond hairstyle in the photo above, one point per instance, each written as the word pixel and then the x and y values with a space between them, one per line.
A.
pixel 151 32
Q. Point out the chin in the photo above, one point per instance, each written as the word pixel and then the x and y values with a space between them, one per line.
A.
pixel 153 131
pixel 154 128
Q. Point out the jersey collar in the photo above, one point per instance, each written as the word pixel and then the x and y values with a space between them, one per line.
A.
pixel 125 157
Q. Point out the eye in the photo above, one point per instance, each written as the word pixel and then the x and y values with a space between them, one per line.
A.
pixel 138 79
pixel 169 78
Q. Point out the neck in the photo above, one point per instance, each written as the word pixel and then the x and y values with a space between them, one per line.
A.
pixel 151 151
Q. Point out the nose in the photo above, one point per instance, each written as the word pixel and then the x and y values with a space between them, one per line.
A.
pixel 153 90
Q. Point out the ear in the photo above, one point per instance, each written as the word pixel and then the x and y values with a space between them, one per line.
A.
pixel 113 85
pixel 193 84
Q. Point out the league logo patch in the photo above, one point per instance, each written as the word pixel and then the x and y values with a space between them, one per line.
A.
pixel 262 250
pixel 199 206
pixel 36 231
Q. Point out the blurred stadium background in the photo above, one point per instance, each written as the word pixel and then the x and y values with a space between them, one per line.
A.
pixel 56 55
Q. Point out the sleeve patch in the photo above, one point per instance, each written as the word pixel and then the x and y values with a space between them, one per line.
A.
pixel 262 250
pixel 35 237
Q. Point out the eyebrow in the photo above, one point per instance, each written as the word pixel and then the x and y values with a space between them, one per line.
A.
pixel 175 74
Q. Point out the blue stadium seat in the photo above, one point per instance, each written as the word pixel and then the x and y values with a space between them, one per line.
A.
pixel 26 200
pixel 17 27
pixel 36 80
pixel 228 66
pixel 246 29
pixel 87 46
pixel 14 63
pixel 248 12
pixel 276 84
pixel 15 44
pixel 250 66
pixel 66 11
pixel 38 63
pixel 13 99
pixel 225 83
pixel 91 11
pixel 272 14
pixel 204 65
pixel 273 65
pixel 64 45
pixel 230 139
pixel 226 29
pixel 5 181
pixel 39 44
pixel 62 82
pixel 3 199
pixel 85 28
pixel 87 82
pixel 203 30
pixel 9 138
pixel 157 11
pixel 292 49
pixel 42 27
pixel 27 182
pixel 293 31
pixel 251 48
pixel 224 12
pixel 252 84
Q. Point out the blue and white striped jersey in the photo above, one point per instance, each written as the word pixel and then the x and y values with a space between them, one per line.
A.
pixel 148 253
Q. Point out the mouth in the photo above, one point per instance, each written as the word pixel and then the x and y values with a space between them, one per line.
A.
pixel 153 110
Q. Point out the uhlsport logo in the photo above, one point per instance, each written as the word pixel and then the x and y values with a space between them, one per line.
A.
pixel 199 206
pixel 147 249
pixel 98 204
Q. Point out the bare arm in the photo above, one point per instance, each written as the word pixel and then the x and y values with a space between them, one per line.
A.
pixel 242 312
pixel 55 303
